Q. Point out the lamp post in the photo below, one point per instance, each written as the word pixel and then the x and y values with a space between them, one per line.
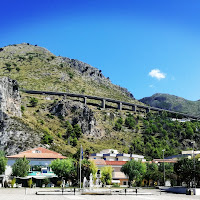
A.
pixel 163 165
pixel 193 142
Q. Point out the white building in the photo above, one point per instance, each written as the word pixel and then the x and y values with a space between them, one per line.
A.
pixel 114 155
pixel 37 157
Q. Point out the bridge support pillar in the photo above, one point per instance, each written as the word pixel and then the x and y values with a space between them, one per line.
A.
pixel 103 104
pixel 120 105
pixel 85 100
pixel 148 110
pixel 134 108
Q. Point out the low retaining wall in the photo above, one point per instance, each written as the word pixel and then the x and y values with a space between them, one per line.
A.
pixel 178 190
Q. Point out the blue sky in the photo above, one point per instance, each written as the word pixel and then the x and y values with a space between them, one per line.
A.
pixel 147 46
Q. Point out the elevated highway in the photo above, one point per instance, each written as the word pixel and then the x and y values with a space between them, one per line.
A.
pixel 104 100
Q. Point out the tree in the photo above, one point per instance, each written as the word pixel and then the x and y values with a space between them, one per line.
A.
pixel 69 130
pixel 88 167
pixel 120 121
pixel 117 126
pixel 106 175
pixel 21 167
pixel 93 168
pixel 169 172
pixel 85 167
pixel 47 137
pixel 135 170
pixel 33 101
pixel 64 168
pixel 184 169
pixel 130 121
pixel 189 132
pixel 77 131
pixel 152 172
pixel 3 162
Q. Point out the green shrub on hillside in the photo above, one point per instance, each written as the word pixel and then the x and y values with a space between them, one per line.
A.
pixel 130 121
pixel 33 101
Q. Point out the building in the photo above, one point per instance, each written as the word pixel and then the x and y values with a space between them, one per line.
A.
pixel 111 157
pixel 172 159
pixel 39 160
pixel 114 155
pixel 118 177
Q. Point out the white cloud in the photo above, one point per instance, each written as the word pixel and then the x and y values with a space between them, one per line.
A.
pixel 156 73
pixel 151 86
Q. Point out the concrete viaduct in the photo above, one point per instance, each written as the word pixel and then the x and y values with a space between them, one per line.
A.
pixel 104 100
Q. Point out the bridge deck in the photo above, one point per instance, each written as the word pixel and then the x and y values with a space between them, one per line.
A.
pixel 106 99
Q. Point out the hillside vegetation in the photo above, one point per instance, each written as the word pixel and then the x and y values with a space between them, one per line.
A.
pixel 35 68
pixel 64 123
pixel 174 103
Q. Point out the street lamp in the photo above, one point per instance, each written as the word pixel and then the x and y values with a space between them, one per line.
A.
pixel 163 165
pixel 193 142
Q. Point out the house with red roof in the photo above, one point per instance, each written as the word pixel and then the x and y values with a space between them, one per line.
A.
pixel 111 157
pixel 117 176
pixel 39 160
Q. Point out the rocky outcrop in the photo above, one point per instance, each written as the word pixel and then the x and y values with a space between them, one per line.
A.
pixel 79 113
pixel 87 71
pixel 15 136
pixel 10 101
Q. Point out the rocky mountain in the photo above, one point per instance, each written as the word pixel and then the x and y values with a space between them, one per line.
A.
pixel 35 68
pixel 63 123
pixel 174 103
pixel 15 135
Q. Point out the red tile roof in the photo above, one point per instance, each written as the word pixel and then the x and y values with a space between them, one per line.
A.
pixel 39 152
pixel 115 162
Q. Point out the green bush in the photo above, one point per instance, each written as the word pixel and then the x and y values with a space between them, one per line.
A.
pixel 47 137
pixel 117 126
pixel 120 121
pixel 33 101
pixel 130 121
pixel 18 69
pixel 30 182
pixel 22 108
pixel 71 75
pixel 13 182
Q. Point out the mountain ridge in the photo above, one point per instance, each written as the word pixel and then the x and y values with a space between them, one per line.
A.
pixel 173 103
pixel 61 69
pixel 64 124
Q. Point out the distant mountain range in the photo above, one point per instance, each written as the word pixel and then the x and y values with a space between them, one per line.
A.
pixel 174 103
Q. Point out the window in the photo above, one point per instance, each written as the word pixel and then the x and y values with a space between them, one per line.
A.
pixel 36 151
pixel 124 182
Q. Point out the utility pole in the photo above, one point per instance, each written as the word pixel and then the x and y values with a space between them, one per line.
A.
pixel 81 155
pixel 193 142
pixel 163 165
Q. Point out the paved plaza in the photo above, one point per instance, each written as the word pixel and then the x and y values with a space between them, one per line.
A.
pixel 143 194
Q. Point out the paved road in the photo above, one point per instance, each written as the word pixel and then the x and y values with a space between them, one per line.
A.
pixel 150 194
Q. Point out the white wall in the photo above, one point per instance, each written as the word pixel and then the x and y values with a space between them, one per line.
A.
pixel 122 158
